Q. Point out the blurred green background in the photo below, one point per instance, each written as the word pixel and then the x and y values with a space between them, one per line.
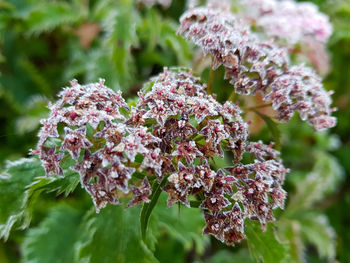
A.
pixel 44 44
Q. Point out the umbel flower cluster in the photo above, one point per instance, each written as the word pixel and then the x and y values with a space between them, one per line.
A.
pixel 171 135
pixel 175 130
pixel 258 66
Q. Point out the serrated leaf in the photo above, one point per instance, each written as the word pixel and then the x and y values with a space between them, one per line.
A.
pixel 47 16
pixel 14 212
pixel 110 57
pixel 307 227
pixel 113 235
pixel 263 246
pixel 66 185
pixel 119 21
pixel 20 185
pixel 53 240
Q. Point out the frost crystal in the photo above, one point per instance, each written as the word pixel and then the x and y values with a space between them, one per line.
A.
pixel 253 65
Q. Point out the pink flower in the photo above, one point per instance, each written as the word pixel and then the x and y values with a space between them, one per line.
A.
pixel 253 65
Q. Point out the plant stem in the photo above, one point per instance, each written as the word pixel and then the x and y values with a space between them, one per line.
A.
pixel 148 207
pixel 232 96
pixel 210 81
pixel 257 107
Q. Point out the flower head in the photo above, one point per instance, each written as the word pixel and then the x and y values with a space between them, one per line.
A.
pixel 172 135
pixel 254 65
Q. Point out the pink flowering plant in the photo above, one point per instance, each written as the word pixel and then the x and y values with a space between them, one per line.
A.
pixel 178 139
pixel 166 140
pixel 176 127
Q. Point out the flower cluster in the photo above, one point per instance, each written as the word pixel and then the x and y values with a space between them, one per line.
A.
pixel 292 21
pixel 103 154
pixel 259 66
pixel 171 135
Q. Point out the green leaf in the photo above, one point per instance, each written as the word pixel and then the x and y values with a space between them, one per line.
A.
pixel 148 207
pixel 14 212
pixel 113 236
pixel 119 20
pixel 323 180
pixel 47 16
pixel 263 246
pixel 185 225
pixel 34 110
pixel 307 228
pixel 273 128
pixel 20 185
pixel 156 32
pixel 225 256
pixel 66 185
pixel 290 232
pixel 316 230
pixel 53 240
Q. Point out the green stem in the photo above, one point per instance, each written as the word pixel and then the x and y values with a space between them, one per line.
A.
pixel 232 96
pixel 210 81
pixel 257 107
pixel 148 207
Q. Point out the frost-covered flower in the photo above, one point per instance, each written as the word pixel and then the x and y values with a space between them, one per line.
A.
pixel 50 160
pixel 107 144
pixel 171 136
pixel 153 160
pixel 140 194
pixel 254 65
pixel 74 141
pixel 203 128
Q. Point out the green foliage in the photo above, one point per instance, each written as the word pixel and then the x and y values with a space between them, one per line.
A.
pixel 14 212
pixel 114 236
pixel 46 16
pixel 34 111
pixel 299 225
pixel 224 256
pixel 316 230
pixel 60 185
pixel 53 240
pixel 324 178
pixel 20 185
pixel 273 128
pixel 44 44
pixel 263 246
pixel 148 207
pixel 182 223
